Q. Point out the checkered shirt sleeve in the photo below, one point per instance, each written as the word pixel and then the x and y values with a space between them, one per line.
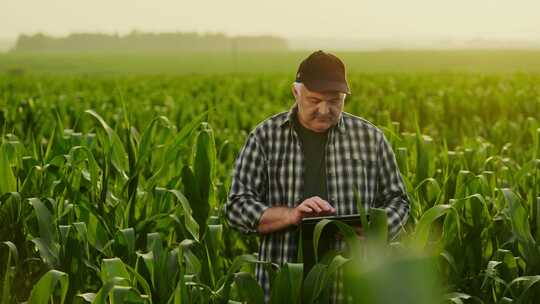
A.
pixel 391 194
pixel 245 204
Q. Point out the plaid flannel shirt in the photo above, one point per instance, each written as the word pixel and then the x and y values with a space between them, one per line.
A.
pixel 268 172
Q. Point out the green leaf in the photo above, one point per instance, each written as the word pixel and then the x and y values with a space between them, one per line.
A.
pixel 286 286
pixel 9 273
pixel 205 161
pixel 321 278
pixel 150 263
pixel 317 232
pixel 337 263
pixel 111 268
pixel 423 226
pixel 430 190
pixel 8 182
pixel 89 297
pixel 154 259
pixel 509 267
pixel 193 263
pixel 248 288
pixel 491 274
pixel 49 252
pixel 139 280
pixel 46 222
pixel 98 235
pixel 192 190
pixel 402 159
pixel 528 281
pixel 238 262
pixel 145 145
pixel 191 225
pixel 12 251
pixel 378 225
pixel 117 290
pixel 457 297
pixel 362 211
pixel 127 236
pixel 518 216
pixel 92 166
pixel 118 152
pixel 173 147
pixel 447 256
pixel 347 231
pixel 46 286
pixel 314 283
pixel 214 239
pixel 125 294
pixel 180 294
pixel 47 155
pixel 296 276
pixel 423 157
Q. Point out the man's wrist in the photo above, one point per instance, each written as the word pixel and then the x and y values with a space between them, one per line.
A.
pixel 292 217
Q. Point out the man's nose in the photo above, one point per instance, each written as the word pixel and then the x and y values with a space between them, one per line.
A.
pixel 323 108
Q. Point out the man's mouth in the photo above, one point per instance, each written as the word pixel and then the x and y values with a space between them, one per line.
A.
pixel 324 119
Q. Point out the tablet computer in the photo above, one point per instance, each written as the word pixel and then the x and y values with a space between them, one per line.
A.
pixel 352 219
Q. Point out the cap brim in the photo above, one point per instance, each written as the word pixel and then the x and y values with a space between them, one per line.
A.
pixel 327 86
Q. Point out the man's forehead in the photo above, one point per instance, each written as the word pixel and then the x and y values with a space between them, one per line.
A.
pixel 323 95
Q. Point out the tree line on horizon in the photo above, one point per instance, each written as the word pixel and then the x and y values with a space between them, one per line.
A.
pixel 140 41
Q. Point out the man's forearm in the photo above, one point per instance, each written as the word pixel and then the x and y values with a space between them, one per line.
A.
pixel 274 219
pixel 277 218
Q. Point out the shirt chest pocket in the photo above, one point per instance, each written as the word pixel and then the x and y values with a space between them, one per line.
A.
pixel 361 176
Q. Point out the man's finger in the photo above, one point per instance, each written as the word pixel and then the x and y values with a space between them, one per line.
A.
pixel 305 209
pixel 324 205
pixel 320 203
pixel 313 205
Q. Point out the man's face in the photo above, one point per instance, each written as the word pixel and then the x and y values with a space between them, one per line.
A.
pixel 318 111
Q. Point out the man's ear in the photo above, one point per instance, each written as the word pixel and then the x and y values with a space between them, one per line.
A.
pixel 294 91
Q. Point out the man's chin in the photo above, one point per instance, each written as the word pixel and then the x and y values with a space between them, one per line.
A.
pixel 321 127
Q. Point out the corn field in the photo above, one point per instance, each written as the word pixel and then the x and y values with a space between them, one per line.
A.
pixel 112 190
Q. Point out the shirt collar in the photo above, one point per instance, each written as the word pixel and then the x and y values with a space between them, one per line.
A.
pixel 340 126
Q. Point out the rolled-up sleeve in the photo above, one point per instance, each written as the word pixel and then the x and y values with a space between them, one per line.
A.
pixel 392 194
pixel 245 204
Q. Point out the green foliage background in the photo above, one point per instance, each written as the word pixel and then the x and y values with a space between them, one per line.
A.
pixel 114 170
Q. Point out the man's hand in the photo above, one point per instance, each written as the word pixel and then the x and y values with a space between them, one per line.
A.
pixel 277 218
pixel 313 206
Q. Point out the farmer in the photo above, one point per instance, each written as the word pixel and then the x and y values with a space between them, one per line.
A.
pixel 309 161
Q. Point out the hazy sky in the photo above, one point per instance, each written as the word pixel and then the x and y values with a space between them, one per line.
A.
pixel 379 19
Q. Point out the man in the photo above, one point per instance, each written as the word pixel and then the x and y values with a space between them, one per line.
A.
pixel 309 161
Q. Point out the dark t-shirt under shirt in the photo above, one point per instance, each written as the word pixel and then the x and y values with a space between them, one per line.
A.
pixel 313 150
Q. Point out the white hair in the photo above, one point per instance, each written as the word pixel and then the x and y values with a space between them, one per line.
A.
pixel 298 88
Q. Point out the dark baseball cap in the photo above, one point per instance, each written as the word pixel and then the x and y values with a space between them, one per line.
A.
pixel 322 72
